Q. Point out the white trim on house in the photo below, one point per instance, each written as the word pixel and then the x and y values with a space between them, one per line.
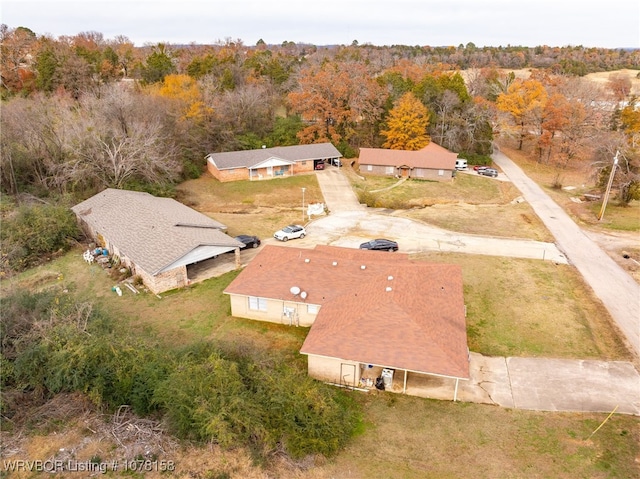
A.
pixel 200 253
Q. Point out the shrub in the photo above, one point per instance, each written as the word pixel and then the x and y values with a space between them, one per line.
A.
pixel 233 395
pixel 35 232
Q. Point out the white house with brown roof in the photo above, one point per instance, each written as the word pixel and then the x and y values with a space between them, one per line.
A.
pixel 268 163
pixel 433 162
pixel 163 241
pixel 367 310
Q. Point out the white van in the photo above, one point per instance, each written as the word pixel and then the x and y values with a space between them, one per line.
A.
pixel 461 164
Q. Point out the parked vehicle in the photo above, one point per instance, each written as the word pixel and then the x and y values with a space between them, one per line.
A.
pixel 248 240
pixel 488 172
pixel 319 165
pixel 380 244
pixel 479 168
pixel 461 164
pixel 290 232
pixel 335 162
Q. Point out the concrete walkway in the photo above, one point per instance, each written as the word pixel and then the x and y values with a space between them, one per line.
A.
pixel 523 383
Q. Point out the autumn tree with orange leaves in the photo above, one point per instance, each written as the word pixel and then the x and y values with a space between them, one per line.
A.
pixel 407 125
pixel 523 103
pixel 184 90
pixel 336 100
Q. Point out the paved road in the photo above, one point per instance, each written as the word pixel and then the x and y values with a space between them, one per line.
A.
pixel 617 290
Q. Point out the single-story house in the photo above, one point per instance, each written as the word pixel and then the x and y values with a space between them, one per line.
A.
pixel 267 163
pixel 433 162
pixel 366 310
pixel 163 241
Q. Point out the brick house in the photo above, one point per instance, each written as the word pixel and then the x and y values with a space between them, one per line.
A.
pixel 432 162
pixel 161 240
pixel 268 163
pixel 367 311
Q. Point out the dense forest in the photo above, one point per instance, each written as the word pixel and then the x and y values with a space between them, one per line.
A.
pixel 83 113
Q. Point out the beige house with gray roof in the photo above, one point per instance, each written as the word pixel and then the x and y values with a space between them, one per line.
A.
pixel 268 163
pixel 163 241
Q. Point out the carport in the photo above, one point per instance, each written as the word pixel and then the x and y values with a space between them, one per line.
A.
pixel 409 382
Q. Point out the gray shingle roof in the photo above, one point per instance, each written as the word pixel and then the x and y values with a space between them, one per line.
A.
pixel 153 232
pixel 249 158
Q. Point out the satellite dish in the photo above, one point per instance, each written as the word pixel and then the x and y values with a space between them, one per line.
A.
pixel 303 295
pixel 294 290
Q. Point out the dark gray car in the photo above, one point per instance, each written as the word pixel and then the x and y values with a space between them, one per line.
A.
pixel 488 172
pixel 380 244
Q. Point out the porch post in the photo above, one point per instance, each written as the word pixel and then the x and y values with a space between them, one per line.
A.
pixel 404 387
pixel 237 258
pixel 455 393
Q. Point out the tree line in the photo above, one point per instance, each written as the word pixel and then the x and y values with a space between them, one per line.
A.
pixel 83 113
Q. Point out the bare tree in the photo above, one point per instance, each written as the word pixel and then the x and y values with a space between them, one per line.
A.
pixel 121 137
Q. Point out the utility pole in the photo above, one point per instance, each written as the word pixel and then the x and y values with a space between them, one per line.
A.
pixel 609 184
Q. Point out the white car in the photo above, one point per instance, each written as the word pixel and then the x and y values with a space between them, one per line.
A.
pixel 290 232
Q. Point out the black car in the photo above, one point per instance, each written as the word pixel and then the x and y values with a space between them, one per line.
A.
pixel 248 240
pixel 380 244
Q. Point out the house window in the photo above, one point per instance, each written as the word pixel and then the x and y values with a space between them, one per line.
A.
pixel 312 308
pixel 257 304
pixel 303 162
pixel 389 170
pixel 369 167
pixel 419 173
pixel 440 172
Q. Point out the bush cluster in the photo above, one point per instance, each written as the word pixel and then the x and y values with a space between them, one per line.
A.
pixel 36 232
pixel 207 392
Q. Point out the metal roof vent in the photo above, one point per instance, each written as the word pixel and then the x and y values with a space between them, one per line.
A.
pixel 388 288
pixel 335 263
pixel 303 295
pixel 306 260
pixel 389 278
pixel 363 267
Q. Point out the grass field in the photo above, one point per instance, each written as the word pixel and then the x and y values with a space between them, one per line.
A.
pixel 515 307
pixel 550 314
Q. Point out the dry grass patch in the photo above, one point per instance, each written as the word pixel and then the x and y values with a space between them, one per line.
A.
pixel 469 204
pixel 412 438
pixel 530 308
pixel 251 207
pixel 515 220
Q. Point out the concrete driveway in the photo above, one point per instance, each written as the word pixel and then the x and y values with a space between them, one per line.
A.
pixel 350 223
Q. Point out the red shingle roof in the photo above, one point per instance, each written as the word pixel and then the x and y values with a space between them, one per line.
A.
pixel 395 312
pixel 431 156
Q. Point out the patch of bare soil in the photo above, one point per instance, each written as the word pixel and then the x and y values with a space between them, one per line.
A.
pixel 68 435
pixel 622 246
